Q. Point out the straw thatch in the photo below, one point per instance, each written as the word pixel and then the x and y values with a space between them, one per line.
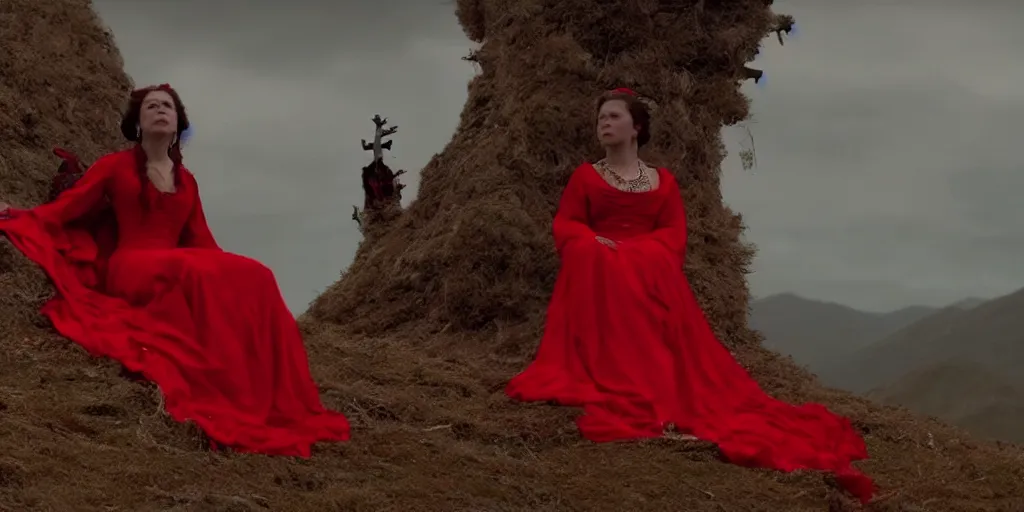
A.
pixel 474 251
pixel 61 84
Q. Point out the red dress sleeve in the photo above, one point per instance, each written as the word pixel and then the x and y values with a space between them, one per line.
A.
pixel 61 236
pixel 571 219
pixel 670 228
pixel 197 232
pixel 84 197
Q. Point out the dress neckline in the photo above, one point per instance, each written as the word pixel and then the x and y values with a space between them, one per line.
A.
pixel 175 177
pixel 653 190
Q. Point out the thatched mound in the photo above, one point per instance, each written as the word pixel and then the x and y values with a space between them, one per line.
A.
pixel 431 428
pixel 62 86
pixel 474 250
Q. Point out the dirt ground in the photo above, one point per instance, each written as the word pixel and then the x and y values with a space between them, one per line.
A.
pixel 432 431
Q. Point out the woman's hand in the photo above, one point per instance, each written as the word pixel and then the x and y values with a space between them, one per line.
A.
pixel 607 242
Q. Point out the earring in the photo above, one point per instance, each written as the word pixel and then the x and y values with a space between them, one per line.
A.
pixel 138 132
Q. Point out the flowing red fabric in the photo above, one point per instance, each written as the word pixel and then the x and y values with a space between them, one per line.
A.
pixel 627 342
pixel 147 285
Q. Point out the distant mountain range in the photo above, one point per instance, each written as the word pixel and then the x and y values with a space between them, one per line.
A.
pixel 819 334
pixel 963 363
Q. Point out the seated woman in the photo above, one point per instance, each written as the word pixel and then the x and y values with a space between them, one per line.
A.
pixel 210 328
pixel 627 341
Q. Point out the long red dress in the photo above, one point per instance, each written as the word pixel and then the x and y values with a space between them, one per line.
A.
pixel 627 341
pixel 210 328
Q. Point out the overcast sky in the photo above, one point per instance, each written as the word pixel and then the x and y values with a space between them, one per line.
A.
pixel 887 137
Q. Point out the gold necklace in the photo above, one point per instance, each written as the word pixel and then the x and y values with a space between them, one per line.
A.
pixel 641 183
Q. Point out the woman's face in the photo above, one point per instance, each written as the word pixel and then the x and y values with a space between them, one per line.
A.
pixel 158 115
pixel 615 124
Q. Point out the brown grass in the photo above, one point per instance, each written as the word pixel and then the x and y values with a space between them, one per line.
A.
pixel 445 306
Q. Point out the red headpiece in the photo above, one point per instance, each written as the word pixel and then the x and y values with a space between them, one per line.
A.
pixel 651 105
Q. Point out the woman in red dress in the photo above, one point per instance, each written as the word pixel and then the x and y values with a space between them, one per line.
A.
pixel 152 289
pixel 626 340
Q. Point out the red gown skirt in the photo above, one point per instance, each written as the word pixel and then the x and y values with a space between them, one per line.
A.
pixel 627 342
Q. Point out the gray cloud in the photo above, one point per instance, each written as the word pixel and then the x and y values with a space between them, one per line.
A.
pixel 886 143
pixel 282 37
pixel 886 138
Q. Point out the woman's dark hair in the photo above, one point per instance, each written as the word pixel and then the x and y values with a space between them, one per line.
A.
pixel 637 110
pixel 130 130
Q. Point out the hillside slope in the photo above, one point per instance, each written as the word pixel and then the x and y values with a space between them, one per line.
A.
pixel 819 334
pixel 431 428
pixel 963 393
pixel 990 334
pixel 959 365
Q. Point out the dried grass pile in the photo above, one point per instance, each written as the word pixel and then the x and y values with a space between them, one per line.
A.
pixel 59 86
pixel 474 251
pixel 432 430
